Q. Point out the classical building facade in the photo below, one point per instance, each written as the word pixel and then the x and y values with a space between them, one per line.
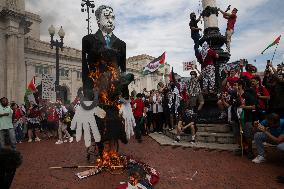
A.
pixel 23 55
pixel 136 64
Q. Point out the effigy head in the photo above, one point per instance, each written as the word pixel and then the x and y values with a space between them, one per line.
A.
pixel 105 18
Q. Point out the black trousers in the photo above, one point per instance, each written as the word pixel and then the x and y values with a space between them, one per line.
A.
pixel 138 129
pixel 158 119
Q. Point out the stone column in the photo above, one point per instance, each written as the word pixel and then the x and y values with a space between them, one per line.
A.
pixel 11 60
pixel 212 20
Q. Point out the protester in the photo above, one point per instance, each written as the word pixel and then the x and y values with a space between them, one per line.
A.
pixel 207 57
pixel 33 123
pixel 157 112
pixel 248 106
pixel 262 96
pixel 276 103
pixel 18 122
pixel 6 124
pixel 138 109
pixel 52 120
pixel 270 130
pixel 62 126
pixel 195 31
pixel 232 18
pixel 195 94
pixel 187 124
pixel 173 103
pixel 165 104
pixel 10 160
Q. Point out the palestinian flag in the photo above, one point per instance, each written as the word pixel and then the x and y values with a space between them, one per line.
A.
pixel 31 89
pixel 275 42
pixel 155 64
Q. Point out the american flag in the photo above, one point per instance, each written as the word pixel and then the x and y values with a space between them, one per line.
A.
pixel 188 65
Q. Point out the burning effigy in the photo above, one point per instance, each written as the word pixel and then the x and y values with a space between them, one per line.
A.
pixel 104 116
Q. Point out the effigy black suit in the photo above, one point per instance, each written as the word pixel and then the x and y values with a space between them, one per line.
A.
pixel 95 52
pixel 94 49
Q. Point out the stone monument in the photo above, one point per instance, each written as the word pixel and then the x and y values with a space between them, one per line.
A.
pixel 215 40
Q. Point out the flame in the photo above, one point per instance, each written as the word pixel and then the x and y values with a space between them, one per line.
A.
pixel 110 160
pixel 106 77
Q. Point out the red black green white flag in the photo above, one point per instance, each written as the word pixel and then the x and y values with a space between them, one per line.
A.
pixel 155 64
pixel 275 42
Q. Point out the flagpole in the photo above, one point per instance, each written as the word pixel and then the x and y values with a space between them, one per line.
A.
pixel 274 52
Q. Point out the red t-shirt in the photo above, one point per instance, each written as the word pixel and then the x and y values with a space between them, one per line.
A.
pixel 138 108
pixel 261 92
pixel 247 74
pixel 231 22
pixel 209 60
pixel 52 115
pixel 18 114
pixel 232 80
pixel 33 113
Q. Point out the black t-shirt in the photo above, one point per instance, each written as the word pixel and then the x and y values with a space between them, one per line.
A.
pixel 250 100
pixel 235 102
pixel 188 117
pixel 193 23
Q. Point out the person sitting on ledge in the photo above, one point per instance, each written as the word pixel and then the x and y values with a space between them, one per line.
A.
pixel 270 130
pixel 187 124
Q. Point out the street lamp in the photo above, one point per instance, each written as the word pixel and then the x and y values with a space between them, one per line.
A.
pixel 89 4
pixel 57 44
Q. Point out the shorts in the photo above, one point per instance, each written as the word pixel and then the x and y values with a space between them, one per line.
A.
pixel 187 130
pixel 52 125
pixel 194 99
pixel 33 125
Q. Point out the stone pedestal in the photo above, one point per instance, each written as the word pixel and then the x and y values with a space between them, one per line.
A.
pixel 216 40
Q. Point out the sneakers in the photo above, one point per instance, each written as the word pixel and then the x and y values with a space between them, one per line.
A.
pixel 258 159
pixel 177 139
pixel 37 139
pixel 192 142
pixel 223 115
pixel 71 139
pixel 30 140
pixel 59 142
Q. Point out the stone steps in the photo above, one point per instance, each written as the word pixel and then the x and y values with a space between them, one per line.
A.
pixel 208 133
pixel 216 128
pixel 167 141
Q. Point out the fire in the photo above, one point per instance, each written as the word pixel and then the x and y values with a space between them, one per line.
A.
pixel 111 160
pixel 104 79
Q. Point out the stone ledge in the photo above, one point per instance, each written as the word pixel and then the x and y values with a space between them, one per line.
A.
pixel 167 141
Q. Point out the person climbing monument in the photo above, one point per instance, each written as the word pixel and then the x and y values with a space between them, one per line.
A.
pixel 232 18
pixel 195 31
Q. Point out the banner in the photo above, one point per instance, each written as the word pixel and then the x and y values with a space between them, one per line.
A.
pixel 48 88
pixel 188 65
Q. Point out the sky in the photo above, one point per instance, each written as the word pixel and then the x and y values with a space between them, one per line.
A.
pixel 156 26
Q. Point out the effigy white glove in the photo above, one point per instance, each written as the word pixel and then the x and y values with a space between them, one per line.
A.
pixel 85 120
pixel 129 121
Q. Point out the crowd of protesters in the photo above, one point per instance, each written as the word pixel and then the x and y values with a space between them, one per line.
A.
pixel 32 122
pixel 254 107
pixel 251 104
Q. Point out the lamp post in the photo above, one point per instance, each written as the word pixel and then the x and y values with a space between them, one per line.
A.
pixel 57 44
pixel 89 4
